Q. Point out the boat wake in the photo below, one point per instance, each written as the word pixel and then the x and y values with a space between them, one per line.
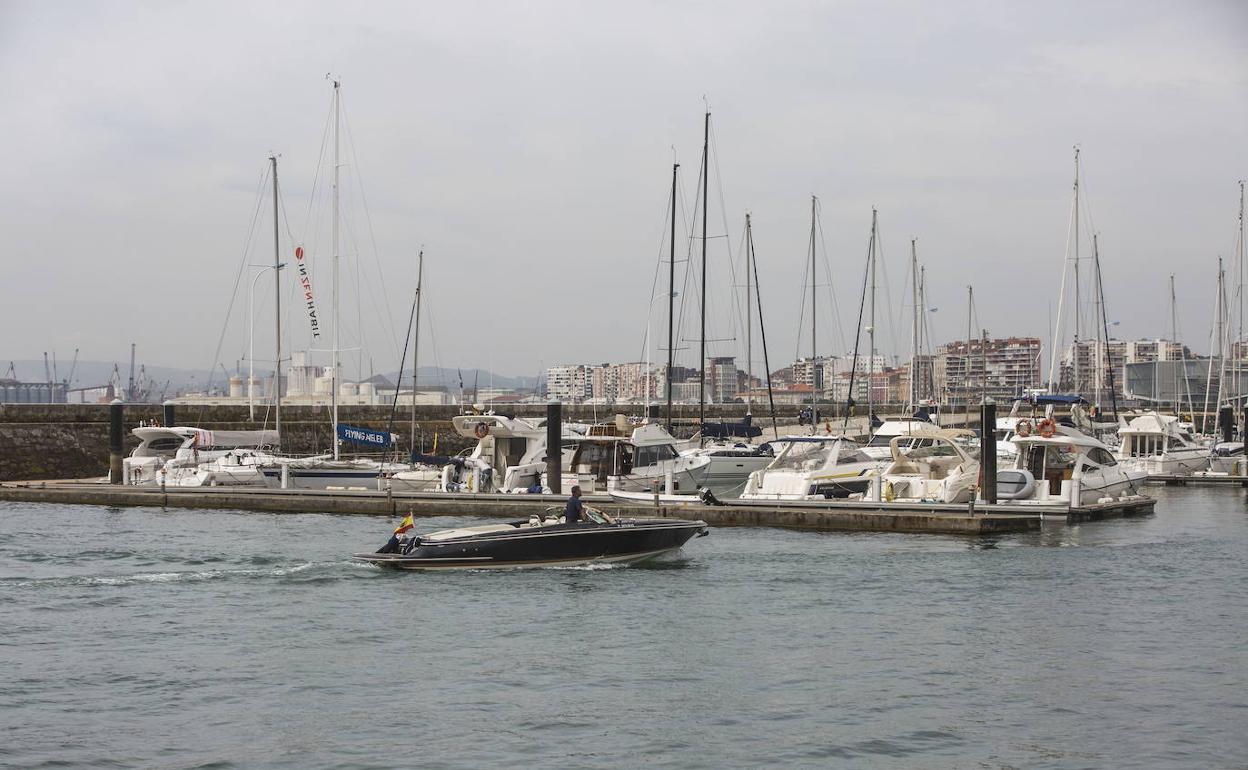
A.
pixel 304 572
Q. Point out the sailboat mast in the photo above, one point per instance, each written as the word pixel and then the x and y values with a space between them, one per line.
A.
pixel 333 376
pixel 706 173
pixel 871 321
pixel 420 279
pixel 1078 384
pixel 749 314
pixel 762 333
pixel 671 303
pixel 914 334
pixel 815 380
pixel 1097 318
pixel 1238 355
pixel 814 348
pixel 970 303
pixel 277 314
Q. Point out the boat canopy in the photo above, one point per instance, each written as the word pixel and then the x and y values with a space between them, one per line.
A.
pixel 232 439
pixel 1057 399
pixel 726 430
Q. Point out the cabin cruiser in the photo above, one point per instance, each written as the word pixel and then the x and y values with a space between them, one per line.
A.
pixel 510 455
pixel 632 458
pixel 934 465
pixel 1228 459
pixel 1065 466
pixel 813 468
pixel 877 448
pixel 169 455
pixel 545 540
pixel 733 457
pixel 1160 445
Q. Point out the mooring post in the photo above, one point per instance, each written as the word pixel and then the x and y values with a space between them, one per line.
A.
pixel 116 440
pixel 168 415
pixel 652 412
pixel 988 450
pixel 554 447
pixel 1226 421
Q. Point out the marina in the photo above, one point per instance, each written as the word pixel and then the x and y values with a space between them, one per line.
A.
pixel 607 386
pixel 1052 647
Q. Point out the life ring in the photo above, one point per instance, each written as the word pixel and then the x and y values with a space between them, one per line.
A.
pixel 1023 428
pixel 482 430
pixel 1047 428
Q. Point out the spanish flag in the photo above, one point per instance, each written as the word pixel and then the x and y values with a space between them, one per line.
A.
pixel 405 525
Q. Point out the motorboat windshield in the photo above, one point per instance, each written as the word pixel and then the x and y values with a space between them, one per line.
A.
pixel 812 454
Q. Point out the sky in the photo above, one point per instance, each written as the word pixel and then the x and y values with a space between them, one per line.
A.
pixel 527 148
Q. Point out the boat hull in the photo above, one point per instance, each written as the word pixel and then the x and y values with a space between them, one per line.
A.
pixel 560 545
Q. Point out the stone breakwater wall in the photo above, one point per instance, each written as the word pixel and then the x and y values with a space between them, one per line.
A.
pixel 65 441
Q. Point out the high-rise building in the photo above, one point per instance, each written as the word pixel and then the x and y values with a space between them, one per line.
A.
pixel 722 382
pixel 1001 369
pixel 568 383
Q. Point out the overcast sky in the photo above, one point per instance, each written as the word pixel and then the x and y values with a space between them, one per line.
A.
pixel 528 148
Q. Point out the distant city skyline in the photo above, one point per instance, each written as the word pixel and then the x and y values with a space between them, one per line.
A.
pixel 532 162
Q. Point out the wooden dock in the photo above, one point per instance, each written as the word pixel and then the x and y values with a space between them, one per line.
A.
pixel 825 515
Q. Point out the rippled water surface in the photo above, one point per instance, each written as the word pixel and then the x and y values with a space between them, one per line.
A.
pixel 148 638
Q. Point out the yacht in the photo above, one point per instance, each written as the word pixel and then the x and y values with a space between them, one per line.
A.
pixel 632 458
pixel 1228 459
pixel 932 466
pixel 1160 445
pixel 733 456
pixel 813 468
pixel 173 455
pixel 1065 467
pixel 877 448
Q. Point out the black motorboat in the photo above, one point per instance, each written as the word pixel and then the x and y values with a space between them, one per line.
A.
pixel 541 541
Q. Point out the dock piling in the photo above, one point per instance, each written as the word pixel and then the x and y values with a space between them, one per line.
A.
pixel 168 415
pixel 988 451
pixel 116 440
pixel 554 447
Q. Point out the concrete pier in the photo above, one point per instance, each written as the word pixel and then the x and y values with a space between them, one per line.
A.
pixel 849 516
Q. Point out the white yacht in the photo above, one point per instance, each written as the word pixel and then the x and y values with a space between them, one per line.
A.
pixel 171 455
pixel 622 457
pixel 1160 445
pixel 1228 459
pixel 509 456
pixel 877 448
pixel 932 466
pixel 733 456
pixel 1067 467
pixel 813 468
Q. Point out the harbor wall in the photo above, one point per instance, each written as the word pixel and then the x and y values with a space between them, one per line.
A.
pixel 67 441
